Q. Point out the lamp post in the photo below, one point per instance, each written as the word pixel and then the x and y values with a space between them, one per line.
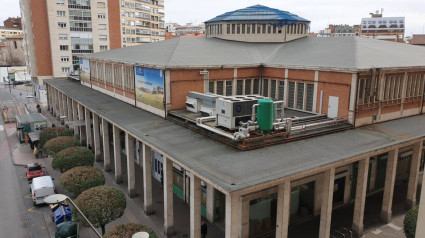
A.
pixel 206 80
pixel 58 198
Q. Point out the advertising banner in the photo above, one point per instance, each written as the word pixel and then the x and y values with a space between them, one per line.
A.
pixel 150 86
pixel 85 70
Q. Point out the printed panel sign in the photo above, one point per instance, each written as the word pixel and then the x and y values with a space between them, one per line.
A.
pixel 85 70
pixel 150 86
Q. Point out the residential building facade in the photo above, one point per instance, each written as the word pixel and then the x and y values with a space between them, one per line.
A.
pixel 13 22
pixel 12 51
pixel 8 32
pixel 383 28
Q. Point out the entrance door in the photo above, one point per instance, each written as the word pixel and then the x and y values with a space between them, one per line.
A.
pixel 157 166
pixel 333 107
pixel 339 187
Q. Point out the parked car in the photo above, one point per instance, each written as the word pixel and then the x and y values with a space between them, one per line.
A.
pixel 41 187
pixel 33 170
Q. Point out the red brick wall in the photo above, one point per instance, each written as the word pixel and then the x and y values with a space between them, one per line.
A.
pixel 114 22
pixel 183 81
pixel 301 74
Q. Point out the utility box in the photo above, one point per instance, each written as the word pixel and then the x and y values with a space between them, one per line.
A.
pixel 29 123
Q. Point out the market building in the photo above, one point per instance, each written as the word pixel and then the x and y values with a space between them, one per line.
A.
pixel 345 121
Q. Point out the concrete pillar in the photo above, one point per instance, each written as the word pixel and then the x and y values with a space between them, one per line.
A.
pixel 195 207
pixel 360 199
pixel 233 221
pixel 56 111
pixel 147 179
pixel 60 109
pixel 106 155
pixel 244 225
pixel 88 128
pixel 210 203
pixel 326 210
pixel 168 197
pixel 387 200
pixel 283 209
pixel 131 181
pixel 414 175
pixel 81 118
pixel 138 150
pixel 69 107
pixel 420 230
pixel 75 116
pixel 96 135
pixel 117 154
pixel 186 181
pixel 63 103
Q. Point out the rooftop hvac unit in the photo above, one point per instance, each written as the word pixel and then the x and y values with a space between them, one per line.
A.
pixel 201 102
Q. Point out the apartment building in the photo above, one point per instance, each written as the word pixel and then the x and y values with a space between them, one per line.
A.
pixel 4 32
pixel 13 22
pixel 58 32
pixel 350 125
pixel 383 28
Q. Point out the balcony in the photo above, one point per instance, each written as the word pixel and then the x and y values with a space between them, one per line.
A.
pixel 75 6
pixel 81 29
pixel 82 51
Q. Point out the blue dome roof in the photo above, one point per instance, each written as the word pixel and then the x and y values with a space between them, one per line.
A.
pixel 257 13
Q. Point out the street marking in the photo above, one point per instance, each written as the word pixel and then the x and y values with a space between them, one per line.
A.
pixel 1 128
pixel 397 228
pixel 28 196
pixel 32 210
pixel 377 231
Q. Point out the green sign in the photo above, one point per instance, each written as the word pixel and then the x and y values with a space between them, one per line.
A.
pixel 11 76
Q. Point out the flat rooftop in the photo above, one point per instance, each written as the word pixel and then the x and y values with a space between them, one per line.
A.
pixel 229 168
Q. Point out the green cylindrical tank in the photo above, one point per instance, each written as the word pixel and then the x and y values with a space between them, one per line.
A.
pixel 265 114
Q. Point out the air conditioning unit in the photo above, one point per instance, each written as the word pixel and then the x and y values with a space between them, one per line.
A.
pixel 192 104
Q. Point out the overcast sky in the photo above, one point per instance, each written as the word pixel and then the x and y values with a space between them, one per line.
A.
pixel 320 13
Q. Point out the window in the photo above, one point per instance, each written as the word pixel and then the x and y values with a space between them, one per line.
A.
pixel 63 47
pixel 103 37
pixel 102 26
pixel 65 59
pixel 220 88
pixel 239 29
pixel 233 28
pixel 63 36
pixel 309 99
pixel 300 96
pixel 266 87
pixel 101 5
pixel 273 89
pixel 65 69
pixel 103 47
pixel 291 94
pixel 243 28
pixel 16 45
pixel 248 28
pixel 101 15
pixel 211 87
pixel 256 86
pixel 61 13
pixel 281 90
pixel 247 86
pixel 229 85
pixel 60 2
pixel 239 87
pixel 228 28
pixel 62 25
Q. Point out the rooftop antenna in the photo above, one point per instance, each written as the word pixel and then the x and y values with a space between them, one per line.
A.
pixel 382 11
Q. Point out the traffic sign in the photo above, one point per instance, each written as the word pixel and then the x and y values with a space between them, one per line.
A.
pixel 4 109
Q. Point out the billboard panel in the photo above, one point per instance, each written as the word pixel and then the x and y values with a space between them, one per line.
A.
pixel 85 70
pixel 150 86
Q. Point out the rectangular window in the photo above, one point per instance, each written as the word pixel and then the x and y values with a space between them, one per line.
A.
pixel 238 29
pixel 281 90
pixel 101 15
pixel 65 59
pixel 291 94
pixel 60 2
pixel 269 29
pixel 102 26
pixel 243 28
pixel 63 36
pixel 239 87
pixel 63 47
pixel 266 87
pixel 211 87
pixel 228 28
pixel 309 99
pixel 65 69
pixel 101 5
pixel 264 29
pixel 233 28
pixel 273 89
pixel 274 29
pixel 248 28
pixel 253 28
pixel 300 96
pixel 60 13
pixel 220 88
pixel 256 87
pixel 247 86
pixel 258 28
pixel 62 25
pixel 103 47
pixel 103 37
pixel 229 85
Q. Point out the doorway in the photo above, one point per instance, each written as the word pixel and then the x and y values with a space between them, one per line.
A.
pixel 339 188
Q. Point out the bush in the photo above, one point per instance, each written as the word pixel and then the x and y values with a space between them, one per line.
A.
pixel 53 132
pixel 72 157
pixel 128 230
pixel 79 179
pixel 101 205
pixel 60 143
pixel 409 224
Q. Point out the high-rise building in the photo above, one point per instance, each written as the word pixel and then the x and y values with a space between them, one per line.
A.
pixel 383 28
pixel 13 22
pixel 58 32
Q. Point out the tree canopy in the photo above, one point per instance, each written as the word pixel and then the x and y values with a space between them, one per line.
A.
pixel 60 143
pixel 72 157
pixel 128 230
pixel 81 178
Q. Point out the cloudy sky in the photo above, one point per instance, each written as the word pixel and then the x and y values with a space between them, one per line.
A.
pixel 320 13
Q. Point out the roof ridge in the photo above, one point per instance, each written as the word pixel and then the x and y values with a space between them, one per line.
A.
pixel 174 50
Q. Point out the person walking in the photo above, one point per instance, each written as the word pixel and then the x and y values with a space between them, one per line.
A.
pixel 204 230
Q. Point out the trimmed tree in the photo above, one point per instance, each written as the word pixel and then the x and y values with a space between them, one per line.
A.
pixel 101 205
pixel 53 132
pixel 79 179
pixel 409 224
pixel 128 230
pixel 60 143
pixel 72 157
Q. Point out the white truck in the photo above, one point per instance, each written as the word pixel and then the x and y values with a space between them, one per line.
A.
pixel 41 187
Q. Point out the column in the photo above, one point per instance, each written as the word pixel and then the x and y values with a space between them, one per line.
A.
pixel 168 197
pixel 326 210
pixel 195 207
pixel 147 180
pixel 96 135
pixel 56 112
pixel 387 200
pixel 420 230
pixel 244 219
pixel 210 203
pixel 117 154
pixel 138 150
pixel 60 109
pixel 63 103
pixel 81 118
pixel 75 117
pixel 69 107
pixel 131 181
pixel 88 128
pixel 414 175
pixel 360 199
pixel 283 209
pixel 233 221
pixel 106 151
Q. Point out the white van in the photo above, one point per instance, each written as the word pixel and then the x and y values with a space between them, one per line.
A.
pixel 41 187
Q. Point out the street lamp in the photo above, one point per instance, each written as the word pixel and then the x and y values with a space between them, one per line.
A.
pixel 206 81
pixel 58 198
pixel 141 234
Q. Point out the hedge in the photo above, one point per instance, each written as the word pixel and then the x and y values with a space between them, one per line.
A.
pixel 409 224
pixel 52 132
pixel 60 143
pixel 128 230
pixel 79 179
pixel 101 205
pixel 72 157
